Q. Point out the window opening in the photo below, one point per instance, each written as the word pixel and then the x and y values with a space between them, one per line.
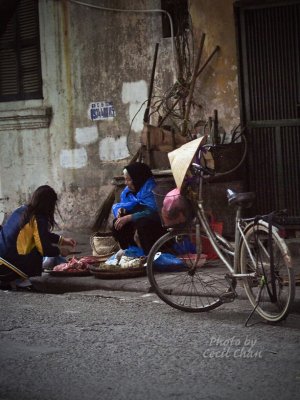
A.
pixel 20 61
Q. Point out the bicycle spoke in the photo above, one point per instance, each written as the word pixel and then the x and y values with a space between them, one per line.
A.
pixel 271 293
pixel 194 286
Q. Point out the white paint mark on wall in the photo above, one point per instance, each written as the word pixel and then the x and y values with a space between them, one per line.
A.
pixel 111 149
pixel 232 85
pixel 135 93
pixel 86 135
pixel 74 158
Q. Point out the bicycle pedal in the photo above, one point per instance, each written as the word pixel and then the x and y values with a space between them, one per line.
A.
pixel 228 297
pixel 232 284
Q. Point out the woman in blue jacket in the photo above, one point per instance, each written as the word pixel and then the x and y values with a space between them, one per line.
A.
pixel 26 237
pixel 137 210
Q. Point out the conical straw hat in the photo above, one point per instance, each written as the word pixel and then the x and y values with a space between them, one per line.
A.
pixel 181 158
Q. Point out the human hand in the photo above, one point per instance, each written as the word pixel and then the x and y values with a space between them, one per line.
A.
pixel 121 212
pixel 69 242
pixel 121 221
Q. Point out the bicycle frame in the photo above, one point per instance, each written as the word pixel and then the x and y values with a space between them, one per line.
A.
pixel 212 236
pixel 240 225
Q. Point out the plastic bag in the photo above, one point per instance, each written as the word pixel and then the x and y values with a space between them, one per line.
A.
pixel 167 261
pixel 185 246
pixel 134 251
pixel 174 208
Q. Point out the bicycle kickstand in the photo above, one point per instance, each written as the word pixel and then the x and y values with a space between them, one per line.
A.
pixel 257 300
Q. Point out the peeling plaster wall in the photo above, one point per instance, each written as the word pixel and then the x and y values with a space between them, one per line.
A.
pixel 89 56
pixel 217 86
pixel 92 58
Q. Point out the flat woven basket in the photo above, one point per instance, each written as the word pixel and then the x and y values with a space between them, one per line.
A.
pixel 104 271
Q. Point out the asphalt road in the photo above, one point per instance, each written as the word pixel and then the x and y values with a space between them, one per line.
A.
pixel 116 345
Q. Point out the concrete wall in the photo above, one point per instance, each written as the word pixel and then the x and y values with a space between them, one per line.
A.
pixel 218 84
pixel 90 56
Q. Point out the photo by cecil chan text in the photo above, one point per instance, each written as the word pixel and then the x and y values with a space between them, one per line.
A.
pixel 232 347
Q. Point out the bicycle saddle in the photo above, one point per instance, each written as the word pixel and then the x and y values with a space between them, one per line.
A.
pixel 240 199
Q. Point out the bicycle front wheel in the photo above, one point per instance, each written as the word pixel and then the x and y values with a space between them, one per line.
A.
pixel 181 278
pixel 271 290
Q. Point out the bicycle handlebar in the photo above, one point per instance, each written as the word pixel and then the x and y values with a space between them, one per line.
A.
pixel 200 168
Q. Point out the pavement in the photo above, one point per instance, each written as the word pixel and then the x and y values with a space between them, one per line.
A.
pixel 48 283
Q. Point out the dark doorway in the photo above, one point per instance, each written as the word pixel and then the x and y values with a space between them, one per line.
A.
pixel 269 70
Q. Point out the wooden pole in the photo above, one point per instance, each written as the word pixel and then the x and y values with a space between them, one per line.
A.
pixel 147 111
pixel 192 86
pixel 217 48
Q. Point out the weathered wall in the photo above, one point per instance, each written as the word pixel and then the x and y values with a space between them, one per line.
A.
pixel 89 56
pixel 217 89
pixel 218 84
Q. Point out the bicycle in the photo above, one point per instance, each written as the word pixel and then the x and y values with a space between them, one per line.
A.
pixel 259 258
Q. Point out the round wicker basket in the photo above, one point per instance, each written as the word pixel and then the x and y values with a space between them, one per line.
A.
pixel 103 245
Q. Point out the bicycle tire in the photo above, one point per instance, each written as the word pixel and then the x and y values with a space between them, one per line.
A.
pixel 189 284
pixel 258 288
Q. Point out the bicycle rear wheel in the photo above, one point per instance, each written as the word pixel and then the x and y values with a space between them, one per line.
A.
pixel 271 297
pixel 181 278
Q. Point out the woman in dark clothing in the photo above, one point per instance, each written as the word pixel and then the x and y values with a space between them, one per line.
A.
pixel 26 237
pixel 137 210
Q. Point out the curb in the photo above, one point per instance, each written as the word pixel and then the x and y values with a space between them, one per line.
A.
pixel 58 285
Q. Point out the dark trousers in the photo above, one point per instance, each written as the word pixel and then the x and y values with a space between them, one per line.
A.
pixel 149 231
pixel 30 264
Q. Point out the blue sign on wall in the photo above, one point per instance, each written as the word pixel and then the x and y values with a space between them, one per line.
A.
pixel 102 110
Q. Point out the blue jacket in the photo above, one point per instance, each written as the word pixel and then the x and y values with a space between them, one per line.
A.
pixel 139 205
